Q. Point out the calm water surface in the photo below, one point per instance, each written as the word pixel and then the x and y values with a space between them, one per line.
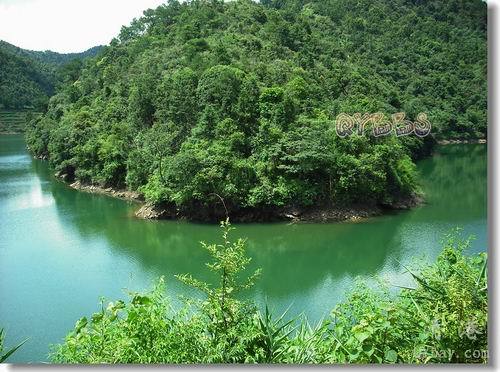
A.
pixel 60 250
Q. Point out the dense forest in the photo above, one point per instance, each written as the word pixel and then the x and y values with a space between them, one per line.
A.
pixel 201 99
pixel 29 78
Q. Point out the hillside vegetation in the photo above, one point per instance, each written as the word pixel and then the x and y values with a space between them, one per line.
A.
pixel 29 78
pixel 15 121
pixel 239 99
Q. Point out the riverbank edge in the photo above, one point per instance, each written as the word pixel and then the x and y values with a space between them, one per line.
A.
pixel 339 213
pixel 354 213
pixel 481 141
pixel 133 196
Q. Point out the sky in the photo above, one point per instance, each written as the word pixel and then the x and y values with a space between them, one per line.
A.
pixel 67 26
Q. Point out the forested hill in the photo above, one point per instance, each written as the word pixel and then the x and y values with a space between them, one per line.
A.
pixel 239 99
pixel 28 78
pixel 48 56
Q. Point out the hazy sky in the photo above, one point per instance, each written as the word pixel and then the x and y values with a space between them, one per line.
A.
pixel 66 25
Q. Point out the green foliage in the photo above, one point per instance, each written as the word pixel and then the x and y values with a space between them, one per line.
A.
pixel 4 355
pixel 138 331
pixel 29 78
pixel 22 83
pixel 221 305
pixel 216 329
pixel 442 318
pixel 438 321
pixel 15 121
pixel 239 99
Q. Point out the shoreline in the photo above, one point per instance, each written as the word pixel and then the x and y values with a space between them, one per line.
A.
pixel 334 213
pixel 109 191
pixel 444 142
pixel 11 133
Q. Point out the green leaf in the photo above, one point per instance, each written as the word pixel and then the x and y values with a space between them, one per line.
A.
pixel 141 300
pixel 368 349
pixel 4 357
pixel 80 324
pixel 362 336
pixel 391 356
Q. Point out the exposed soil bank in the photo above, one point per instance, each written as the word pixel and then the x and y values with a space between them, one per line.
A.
pixel 459 141
pixel 122 194
pixel 332 213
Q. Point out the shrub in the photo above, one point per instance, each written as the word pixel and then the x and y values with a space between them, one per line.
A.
pixel 441 319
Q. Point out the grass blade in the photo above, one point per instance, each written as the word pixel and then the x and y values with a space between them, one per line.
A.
pixel 11 351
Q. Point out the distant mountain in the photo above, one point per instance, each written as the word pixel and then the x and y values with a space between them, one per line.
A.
pixel 28 78
pixel 49 56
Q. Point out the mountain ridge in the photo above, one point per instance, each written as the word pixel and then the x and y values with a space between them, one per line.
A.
pixel 29 78
pixel 51 56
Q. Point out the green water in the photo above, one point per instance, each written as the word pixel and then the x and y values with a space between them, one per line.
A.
pixel 61 249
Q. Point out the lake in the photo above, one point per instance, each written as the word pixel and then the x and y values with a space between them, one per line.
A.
pixel 61 249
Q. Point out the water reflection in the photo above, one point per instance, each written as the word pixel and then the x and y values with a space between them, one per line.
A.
pixel 294 258
pixel 318 250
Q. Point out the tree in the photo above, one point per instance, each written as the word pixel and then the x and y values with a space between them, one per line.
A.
pixel 239 98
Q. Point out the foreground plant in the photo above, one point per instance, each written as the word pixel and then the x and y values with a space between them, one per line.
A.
pixel 224 314
pixel 441 319
pixel 219 328
pixel 8 353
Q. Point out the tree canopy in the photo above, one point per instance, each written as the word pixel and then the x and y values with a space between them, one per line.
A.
pixel 238 99
pixel 29 78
